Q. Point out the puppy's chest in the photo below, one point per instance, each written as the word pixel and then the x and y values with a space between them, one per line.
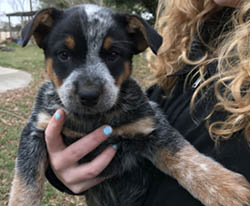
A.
pixel 75 129
pixel 123 131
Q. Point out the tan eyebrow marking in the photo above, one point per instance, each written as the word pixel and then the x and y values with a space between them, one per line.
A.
pixel 107 42
pixel 70 42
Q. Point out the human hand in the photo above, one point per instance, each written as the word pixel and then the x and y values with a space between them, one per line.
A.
pixel 63 159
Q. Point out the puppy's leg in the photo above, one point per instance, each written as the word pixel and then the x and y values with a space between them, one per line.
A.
pixel 205 179
pixel 27 186
pixel 24 193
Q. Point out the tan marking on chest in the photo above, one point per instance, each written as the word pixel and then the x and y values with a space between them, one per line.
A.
pixel 140 127
pixel 70 133
pixel 43 120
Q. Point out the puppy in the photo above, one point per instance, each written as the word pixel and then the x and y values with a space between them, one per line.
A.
pixel 88 51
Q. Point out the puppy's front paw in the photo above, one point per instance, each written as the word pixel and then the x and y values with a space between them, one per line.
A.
pixel 204 178
pixel 215 185
pixel 228 189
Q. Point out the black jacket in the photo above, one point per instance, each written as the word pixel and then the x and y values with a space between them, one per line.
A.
pixel 234 154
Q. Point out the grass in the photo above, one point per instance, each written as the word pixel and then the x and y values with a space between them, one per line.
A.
pixel 15 108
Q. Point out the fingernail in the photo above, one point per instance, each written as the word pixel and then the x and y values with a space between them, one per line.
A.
pixel 115 147
pixel 107 130
pixel 58 116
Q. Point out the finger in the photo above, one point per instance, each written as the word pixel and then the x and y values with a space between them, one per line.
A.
pixel 82 147
pixel 92 169
pixel 85 185
pixel 53 132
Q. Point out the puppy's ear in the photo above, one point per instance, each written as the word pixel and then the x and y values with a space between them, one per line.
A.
pixel 40 26
pixel 143 34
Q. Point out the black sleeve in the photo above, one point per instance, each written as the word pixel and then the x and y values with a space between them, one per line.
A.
pixel 233 154
pixel 53 180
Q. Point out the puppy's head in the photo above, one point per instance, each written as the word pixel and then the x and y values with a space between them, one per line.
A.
pixel 88 51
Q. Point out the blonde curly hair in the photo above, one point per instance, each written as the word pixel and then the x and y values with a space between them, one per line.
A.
pixel 178 23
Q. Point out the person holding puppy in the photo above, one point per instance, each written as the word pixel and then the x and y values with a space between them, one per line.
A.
pixel 202 86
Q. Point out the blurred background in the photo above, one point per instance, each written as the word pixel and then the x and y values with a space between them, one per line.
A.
pixel 14 14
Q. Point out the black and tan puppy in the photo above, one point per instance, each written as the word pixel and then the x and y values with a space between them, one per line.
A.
pixel 88 51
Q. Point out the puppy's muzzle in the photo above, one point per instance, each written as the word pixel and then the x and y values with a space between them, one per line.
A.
pixel 88 94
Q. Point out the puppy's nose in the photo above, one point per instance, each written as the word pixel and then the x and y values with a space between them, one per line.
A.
pixel 89 96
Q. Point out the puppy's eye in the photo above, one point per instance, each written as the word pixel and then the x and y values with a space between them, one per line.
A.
pixel 63 56
pixel 112 56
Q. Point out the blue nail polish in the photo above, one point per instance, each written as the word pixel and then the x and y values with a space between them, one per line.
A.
pixel 58 116
pixel 115 147
pixel 107 130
